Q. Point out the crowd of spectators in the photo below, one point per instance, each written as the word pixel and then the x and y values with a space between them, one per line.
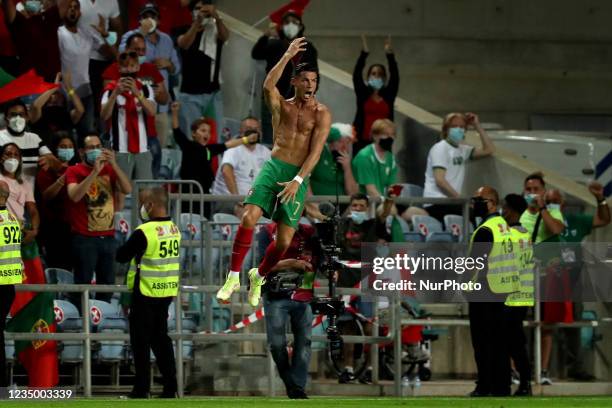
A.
pixel 125 93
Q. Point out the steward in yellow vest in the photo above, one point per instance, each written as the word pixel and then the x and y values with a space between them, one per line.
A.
pixel 518 303
pixel 491 240
pixel 11 269
pixel 153 253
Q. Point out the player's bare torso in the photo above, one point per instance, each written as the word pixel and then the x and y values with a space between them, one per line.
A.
pixel 294 128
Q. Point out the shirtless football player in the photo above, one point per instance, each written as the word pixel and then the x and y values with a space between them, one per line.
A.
pixel 301 125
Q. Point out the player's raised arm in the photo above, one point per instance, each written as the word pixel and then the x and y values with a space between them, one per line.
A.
pixel 317 141
pixel 271 93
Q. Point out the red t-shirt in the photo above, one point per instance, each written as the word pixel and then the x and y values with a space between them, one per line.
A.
pixel 173 14
pixel 53 210
pixel 93 214
pixel 36 42
pixel 372 111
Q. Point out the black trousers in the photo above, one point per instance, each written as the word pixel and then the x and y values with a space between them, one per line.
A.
pixel 517 343
pixel 149 331
pixel 7 295
pixel 490 342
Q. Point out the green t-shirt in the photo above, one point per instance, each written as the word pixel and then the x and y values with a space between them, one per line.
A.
pixel 577 226
pixel 367 169
pixel 528 220
pixel 323 177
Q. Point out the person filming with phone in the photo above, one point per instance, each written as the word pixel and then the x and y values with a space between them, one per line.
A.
pixel 91 187
pixel 445 171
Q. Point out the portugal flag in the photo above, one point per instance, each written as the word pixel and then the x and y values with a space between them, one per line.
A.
pixel 39 357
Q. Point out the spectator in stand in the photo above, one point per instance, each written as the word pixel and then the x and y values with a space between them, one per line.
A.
pixel 94 15
pixel 445 172
pixel 75 45
pixel 161 52
pixel 270 48
pixel 201 48
pixel 374 166
pixel 240 166
pixel 35 152
pixel 126 104
pixel 33 26
pixel 197 153
pixel 176 14
pixel 148 74
pixel 544 224
pixel 91 188
pixel 8 55
pixel 55 220
pixel 376 96
pixel 51 113
pixel 577 227
pixel 354 229
pixel 22 205
pixel 333 173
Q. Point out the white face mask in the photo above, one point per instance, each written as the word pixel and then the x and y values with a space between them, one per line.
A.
pixel 17 124
pixel 144 214
pixel 11 165
pixel 153 25
pixel 291 30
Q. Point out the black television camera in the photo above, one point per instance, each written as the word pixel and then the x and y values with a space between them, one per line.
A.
pixel 331 305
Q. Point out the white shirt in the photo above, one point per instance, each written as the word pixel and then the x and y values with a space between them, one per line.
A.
pixel 89 15
pixel 75 49
pixel 31 147
pixel 118 131
pixel 446 156
pixel 246 164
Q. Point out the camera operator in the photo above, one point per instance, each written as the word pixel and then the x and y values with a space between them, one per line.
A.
pixel 287 294
pixel 354 229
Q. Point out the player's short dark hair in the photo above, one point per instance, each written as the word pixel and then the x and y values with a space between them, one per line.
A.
pixel 360 196
pixel 536 176
pixel 131 39
pixel 305 67
pixel 516 202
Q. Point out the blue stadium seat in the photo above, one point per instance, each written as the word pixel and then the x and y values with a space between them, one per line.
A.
pixel 123 227
pixel 170 164
pixel 188 326
pixel 59 276
pixel 431 229
pixel 411 190
pixel 454 225
pixel 68 320
pixel 108 318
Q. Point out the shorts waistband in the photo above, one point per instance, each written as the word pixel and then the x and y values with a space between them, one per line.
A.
pixel 283 163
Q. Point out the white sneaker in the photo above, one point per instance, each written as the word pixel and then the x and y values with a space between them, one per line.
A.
pixel 545 379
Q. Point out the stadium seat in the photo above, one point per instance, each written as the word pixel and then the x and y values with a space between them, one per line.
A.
pixel 411 190
pixel 170 164
pixel 231 128
pixel 68 320
pixel 431 229
pixel 190 226
pixel 454 225
pixel 123 227
pixel 55 276
pixel 188 326
pixel 108 318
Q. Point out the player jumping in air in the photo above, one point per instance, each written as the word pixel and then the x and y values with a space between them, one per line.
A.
pixel 301 125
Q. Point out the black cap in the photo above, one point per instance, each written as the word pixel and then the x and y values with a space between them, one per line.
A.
pixel 149 8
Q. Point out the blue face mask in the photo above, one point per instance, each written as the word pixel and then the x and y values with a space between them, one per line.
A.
pixel 358 217
pixel 530 199
pixel 375 83
pixel 65 155
pixel 553 207
pixel 112 38
pixel 142 59
pixel 92 155
pixel 33 6
pixel 456 134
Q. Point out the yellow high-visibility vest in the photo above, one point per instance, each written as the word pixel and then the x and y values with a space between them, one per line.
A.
pixel 11 266
pixel 159 267
pixel 524 259
pixel 502 274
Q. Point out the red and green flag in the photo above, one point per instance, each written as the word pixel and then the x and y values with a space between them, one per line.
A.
pixel 27 84
pixel 39 357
